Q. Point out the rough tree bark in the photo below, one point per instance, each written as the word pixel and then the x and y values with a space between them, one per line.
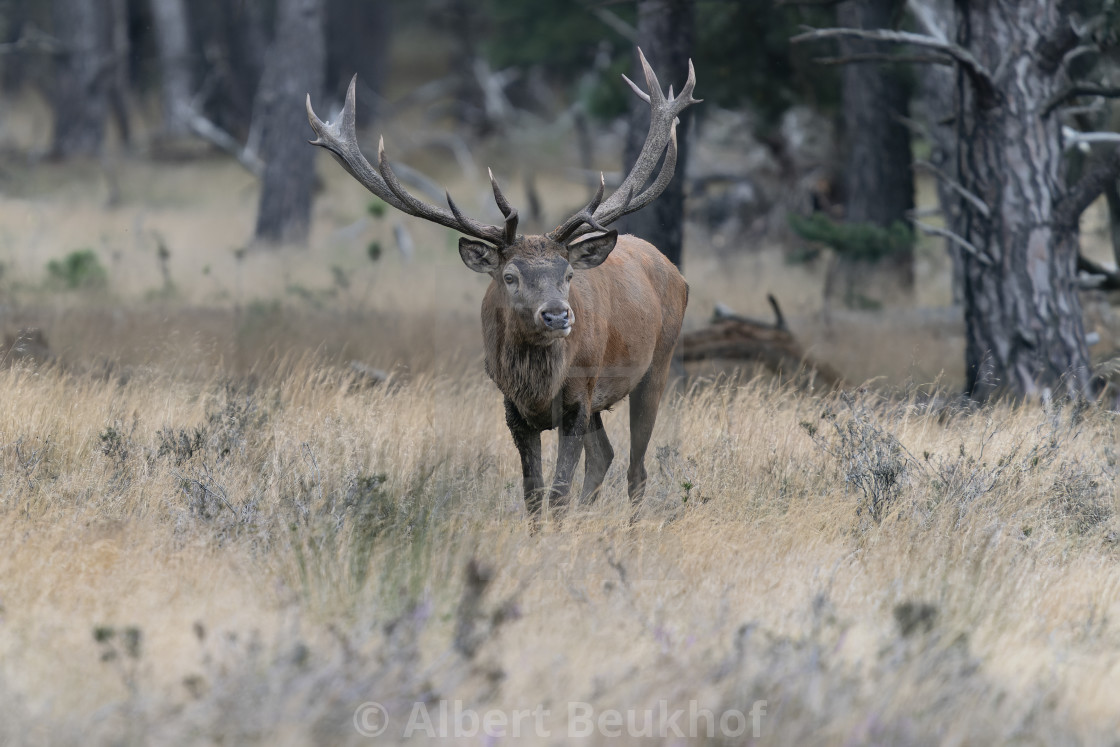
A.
pixel 665 34
pixel 1023 318
pixel 83 77
pixel 173 40
pixel 294 68
pixel 878 182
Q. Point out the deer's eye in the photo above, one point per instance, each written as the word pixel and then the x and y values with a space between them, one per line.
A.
pixel 568 277
pixel 510 279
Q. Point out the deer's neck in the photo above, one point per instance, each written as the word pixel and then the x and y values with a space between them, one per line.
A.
pixel 530 375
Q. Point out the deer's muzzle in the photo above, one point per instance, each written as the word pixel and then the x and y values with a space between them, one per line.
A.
pixel 557 318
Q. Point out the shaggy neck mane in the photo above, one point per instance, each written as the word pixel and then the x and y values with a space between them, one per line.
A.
pixel 530 375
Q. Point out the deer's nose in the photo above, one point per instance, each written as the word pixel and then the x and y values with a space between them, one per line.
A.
pixel 556 317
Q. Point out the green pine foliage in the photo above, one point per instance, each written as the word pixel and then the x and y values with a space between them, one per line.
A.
pixel 860 241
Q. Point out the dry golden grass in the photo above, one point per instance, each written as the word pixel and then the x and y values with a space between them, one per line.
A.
pixel 288 550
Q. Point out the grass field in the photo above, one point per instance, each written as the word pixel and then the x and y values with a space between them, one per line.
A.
pixel 250 563
pixel 216 532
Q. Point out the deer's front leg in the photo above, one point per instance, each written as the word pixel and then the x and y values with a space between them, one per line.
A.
pixel 528 442
pixel 573 426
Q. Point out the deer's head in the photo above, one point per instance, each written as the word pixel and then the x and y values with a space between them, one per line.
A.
pixel 533 273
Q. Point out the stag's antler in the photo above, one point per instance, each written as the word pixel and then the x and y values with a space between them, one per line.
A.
pixel 662 138
pixel 341 140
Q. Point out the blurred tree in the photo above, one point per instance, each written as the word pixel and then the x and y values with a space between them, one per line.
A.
pixel 176 88
pixel 665 35
pixel 229 40
pixel 120 44
pixel 465 22
pixel 878 180
pixel 294 68
pixel 83 75
pixel 359 34
pixel 21 25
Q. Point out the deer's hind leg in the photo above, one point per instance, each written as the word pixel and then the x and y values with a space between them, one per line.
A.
pixel 644 402
pixel 598 456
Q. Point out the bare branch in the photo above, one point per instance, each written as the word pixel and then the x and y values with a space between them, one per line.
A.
pixel 957 239
pixel 917 59
pixel 1078 51
pixel 1079 89
pixel 1073 138
pixel 980 75
pixel 1101 278
pixel 972 198
pixel 616 24
pixel 218 137
pixel 33 40
pixel 1053 49
pixel 1088 188
pixel 923 14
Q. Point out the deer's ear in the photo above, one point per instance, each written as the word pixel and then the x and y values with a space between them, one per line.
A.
pixel 591 252
pixel 478 256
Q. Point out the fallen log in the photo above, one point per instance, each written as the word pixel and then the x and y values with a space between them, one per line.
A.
pixel 746 341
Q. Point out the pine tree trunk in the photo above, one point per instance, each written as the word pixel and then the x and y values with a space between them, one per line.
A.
pixel 294 68
pixel 665 34
pixel 82 76
pixel 360 34
pixel 173 40
pixel 878 181
pixel 1023 318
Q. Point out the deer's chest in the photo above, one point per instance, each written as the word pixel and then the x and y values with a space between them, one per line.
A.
pixel 531 376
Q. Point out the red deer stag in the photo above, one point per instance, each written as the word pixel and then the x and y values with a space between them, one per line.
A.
pixel 570 327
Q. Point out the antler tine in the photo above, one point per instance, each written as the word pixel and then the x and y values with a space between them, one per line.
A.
pixel 341 140
pixel 422 209
pixel 689 86
pixel 634 86
pixel 652 83
pixel 509 211
pixel 587 215
pixel 660 147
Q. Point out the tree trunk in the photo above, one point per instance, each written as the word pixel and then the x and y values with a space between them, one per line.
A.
pixel 878 181
pixel 173 40
pixel 120 49
pixel 1023 319
pixel 83 75
pixel 294 68
pixel 360 34
pixel 665 34
pixel 232 40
